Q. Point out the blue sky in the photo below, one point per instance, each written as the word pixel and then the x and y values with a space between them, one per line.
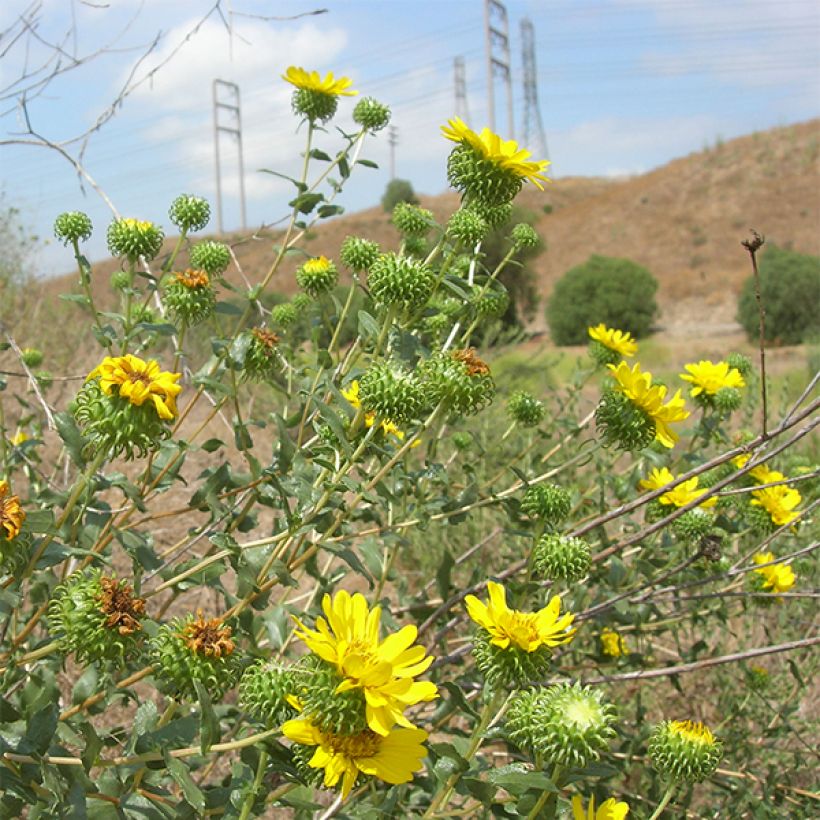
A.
pixel 623 85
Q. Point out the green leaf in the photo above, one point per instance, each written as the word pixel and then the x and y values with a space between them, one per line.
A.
pixel 71 436
pixel 300 186
pixel 179 771
pixel 305 203
pixel 93 744
pixel 330 210
pixel 517 779
pixel 228 309
pixel 320 155
pixel 208 721
pixel 40 729
pixel 212 445
pixel 368 326
pixel 443 574
pixel 368 163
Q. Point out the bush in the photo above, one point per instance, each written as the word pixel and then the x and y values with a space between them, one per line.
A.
pixel 790 292
pixel 398 190
pixel 618 292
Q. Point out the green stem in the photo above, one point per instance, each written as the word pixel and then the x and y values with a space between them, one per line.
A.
pixel 247 805
pixel 85 281
pixel 664 802
pixel 126 312
pixel 543 806
pixel 172 258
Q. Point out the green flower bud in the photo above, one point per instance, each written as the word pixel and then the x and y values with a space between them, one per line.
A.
pixel 548 503
pixel 693 525
pixel 317 276
pixel 481 180
pixel 512 667
pixel 411 220
pixel 461 266
pixel 315 105
pixel 758 519
pixel 192 649
pixel 727 400
pixel 142 314
pixel 655 510
pixel 212 257
pixel 395 280
pixel 623 424
pixel 415 246
pixel 190 213
pixel 301 301
pixel 758 678
pixel 459 380
pixel 284 315
pixel 602 354
pixel 492 302
pixel 524 236
pixel 561 558
pixel 120 280
pixel 437 325
pixel 263 692
pixel 44 379
pixel 358 254
pixel 371 114
pixel 96 617
pixel 525 409
pixel 189 297
pixel 741 363
pixel 684 751
pixel 262 359
pixel 467 226
pixel 133 238
pixel 32 357
pixel 462 440
pixel 72 226
pixel 566 725
pixel 391 392
pixel 493 215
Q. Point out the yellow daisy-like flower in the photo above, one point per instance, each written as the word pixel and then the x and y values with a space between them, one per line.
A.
pixel 348 638
pixel 526 630
pixel 638 388
pixel 613 644
pixel 779 502
pixel 138 381
pixel 393 757
pixel 679 496
pixel 12 514
pixel 18 438
pixel 503 153
pixel 776 577
pixel 611 809
pixel 763 475
pixel 693 732
pixel 619 341
pixel 708 378
pixel 312 81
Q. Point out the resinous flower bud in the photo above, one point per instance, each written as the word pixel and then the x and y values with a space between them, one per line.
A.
pixel 525 409
pixel 264 690
pixel 371 114
pixel 189 297
pixel 72 226
pixel 358 254
pixel 548 503
pixel 513 647
pixel 262 359
pixel 212 257
pixel 132 238
pixel 467 226
pixel 284 315
pixel 195 649
pixel 565 725
pixel 561 558
pixel 32 356
pixel 96 617
pixel 741 363
pixel 314 97
pixel 693 524
pixel 189 212
pixel 317 276
pixel 490 302
pixel 459 380
pixel 391 392
pixel 411 220
pixel 684 751
pixel 395 280
pixel 524 236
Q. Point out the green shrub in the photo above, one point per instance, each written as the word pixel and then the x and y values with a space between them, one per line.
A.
pixel 790 292
pixel 398 190
pixel 618 292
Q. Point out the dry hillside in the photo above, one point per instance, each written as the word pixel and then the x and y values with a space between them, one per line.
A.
pixel 684 221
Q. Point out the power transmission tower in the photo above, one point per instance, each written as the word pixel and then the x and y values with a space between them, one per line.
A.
pixel 533 127
pixel 393 139
pixel 497 33
pixel 226 105
pixel 460 78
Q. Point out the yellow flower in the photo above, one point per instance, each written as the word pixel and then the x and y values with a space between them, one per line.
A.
pixel 692 732
pixel 12 515
pixel 138 380
pixel 617 340
pixel 608 810
pixel 679 496
pixel 776 577
pixel 392 758
pixel 613 644
pixel 763 475
pixel 312 81
pixel 779 502
pixel 741 461
pixel 505 154
pixel 348 638
pixel 708 378
pixel 18 438
pixel 526 630
pixel 638 388
pixel 317 264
